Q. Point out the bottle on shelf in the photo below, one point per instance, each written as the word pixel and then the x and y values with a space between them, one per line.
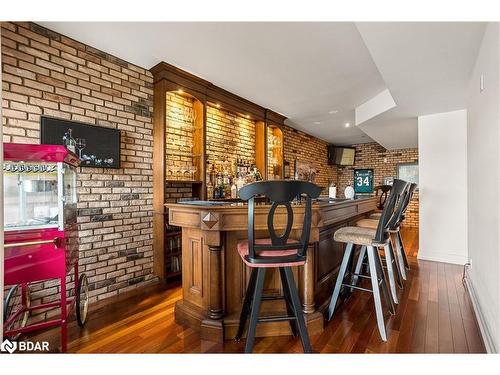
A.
pixel 210 190
pixel 234 191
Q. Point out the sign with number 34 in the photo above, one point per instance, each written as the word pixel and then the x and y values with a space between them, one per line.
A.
pixel 363 181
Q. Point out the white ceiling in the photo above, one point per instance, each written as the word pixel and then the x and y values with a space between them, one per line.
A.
pixel 306 70
pixel 426 67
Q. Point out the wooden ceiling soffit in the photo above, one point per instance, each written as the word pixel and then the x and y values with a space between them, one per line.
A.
pixel 274 117
pixel 205 91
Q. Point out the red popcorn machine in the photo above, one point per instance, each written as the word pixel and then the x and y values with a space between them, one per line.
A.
pixel 41 235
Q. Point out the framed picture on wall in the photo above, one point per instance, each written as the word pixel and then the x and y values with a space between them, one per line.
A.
pixel 305 171
pixel 96 146
pixel 408 172
pixel 363 181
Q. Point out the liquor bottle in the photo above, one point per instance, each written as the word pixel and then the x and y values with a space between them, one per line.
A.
pixel 234 191
pixel 210 190
pixel 222 188
pixel 69 141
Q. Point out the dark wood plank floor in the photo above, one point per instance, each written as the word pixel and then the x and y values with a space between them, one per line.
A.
pixel 435 315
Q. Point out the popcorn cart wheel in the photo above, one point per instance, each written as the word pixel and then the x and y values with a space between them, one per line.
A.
pixel 82 300
pixel 41 236
pixel 13 300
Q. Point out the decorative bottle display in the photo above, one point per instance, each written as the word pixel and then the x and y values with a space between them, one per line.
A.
pixel 69 141
pixel 225 178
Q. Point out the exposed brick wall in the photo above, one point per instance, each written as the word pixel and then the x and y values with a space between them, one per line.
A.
pixel 229 135
pixel 384 163
pixel 299 145
pixel 45 73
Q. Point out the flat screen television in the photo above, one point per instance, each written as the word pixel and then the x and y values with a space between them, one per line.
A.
pixel 96 146
pixel 342 156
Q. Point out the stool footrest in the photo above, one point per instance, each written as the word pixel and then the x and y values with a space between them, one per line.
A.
pixel 275 318
pixel 272 298
pixel 360 275
pixel 357 287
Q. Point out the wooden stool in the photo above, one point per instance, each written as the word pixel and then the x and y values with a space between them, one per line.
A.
pixel 275 252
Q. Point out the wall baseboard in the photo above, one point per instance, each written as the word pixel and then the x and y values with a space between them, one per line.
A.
pixel 483 327
pixel 443 258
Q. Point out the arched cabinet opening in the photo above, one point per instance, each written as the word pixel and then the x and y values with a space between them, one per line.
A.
pixel 275 151
pixel 184 146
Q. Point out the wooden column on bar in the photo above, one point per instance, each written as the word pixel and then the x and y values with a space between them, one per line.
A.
pixel 261 147
pixel 159 118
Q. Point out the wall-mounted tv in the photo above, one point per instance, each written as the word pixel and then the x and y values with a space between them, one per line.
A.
pixel 341 156
pixel 96 146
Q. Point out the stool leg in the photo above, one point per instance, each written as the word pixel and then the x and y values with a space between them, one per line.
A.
pixel 383 283
pixel 297 307
pixel 397 271
pixel 254 314
pixel 288 301
pixel 245 308
pixel 399 254
pixel 340 279
pixel 390 271
pixel 372 262
pixel 405 259
pixel 359 265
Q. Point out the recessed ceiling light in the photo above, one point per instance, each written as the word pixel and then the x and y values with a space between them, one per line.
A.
pixel 347 124
pixel 333 111
pixel 247 116
pixel 180 91
pixel 317 122
pixel 218 105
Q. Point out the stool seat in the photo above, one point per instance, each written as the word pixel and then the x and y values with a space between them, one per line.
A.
pixel 357 236
pixel 367 223
pixel 376 215
pixel 242 247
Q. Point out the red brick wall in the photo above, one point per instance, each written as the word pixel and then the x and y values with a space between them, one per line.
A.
pixel 302 146
pixel 45 73
pixel 384 163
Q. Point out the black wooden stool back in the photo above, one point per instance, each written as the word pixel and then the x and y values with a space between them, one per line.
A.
pixel 401 208
pixel 389 214
pixel 280 193
pixel 384 192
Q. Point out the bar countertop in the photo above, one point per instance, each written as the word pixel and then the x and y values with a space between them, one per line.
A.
pixel 221 215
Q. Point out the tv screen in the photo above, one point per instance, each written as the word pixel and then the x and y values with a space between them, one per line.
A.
pixel 96 146
pixel 341 155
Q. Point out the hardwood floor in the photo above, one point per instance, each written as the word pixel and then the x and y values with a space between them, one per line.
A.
pixel 435 315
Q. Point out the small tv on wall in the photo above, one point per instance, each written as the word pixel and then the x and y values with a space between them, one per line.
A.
pixel 341 156
pixel 96 146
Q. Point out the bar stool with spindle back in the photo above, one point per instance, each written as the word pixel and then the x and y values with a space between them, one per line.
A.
pixel 275 252
pixel 372 239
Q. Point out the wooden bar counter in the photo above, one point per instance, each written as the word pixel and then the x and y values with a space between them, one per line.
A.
pixel 214 278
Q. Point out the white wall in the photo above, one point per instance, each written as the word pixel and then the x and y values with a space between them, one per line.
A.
pixel 442 148
pixel 483 183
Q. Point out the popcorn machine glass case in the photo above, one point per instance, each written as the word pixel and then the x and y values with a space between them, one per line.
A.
pixel 41 233
pixel 38 195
